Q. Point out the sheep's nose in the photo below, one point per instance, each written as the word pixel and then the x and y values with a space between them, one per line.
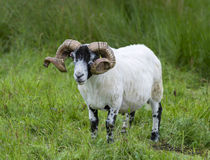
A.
pixel 79 75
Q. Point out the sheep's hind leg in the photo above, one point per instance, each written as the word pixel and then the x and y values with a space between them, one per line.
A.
pixel 129 117
pixel 156 115
pixel 132 115
pixel 110 122
pixel 93 117
pixel 125 123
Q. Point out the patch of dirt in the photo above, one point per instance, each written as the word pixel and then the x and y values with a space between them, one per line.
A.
pixel 167 147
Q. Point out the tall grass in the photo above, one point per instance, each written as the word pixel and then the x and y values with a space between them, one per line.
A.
pixel 43 116
pixel 177 30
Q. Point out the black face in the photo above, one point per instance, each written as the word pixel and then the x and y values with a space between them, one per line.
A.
pixel 83 58
pixel 82 53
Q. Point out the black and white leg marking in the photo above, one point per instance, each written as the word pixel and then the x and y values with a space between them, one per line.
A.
pixel 129 117
pixel 93 117
pixel 156 115
pixel 110 122
pixel 125 123
pixel 132 115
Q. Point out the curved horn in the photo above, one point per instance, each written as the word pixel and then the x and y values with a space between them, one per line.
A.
pixel 62 54
pixel 107 61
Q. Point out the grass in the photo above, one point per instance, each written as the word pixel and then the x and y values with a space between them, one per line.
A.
pixel 43 116
pixel 177 30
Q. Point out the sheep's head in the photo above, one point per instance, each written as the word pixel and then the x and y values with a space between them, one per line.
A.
pixel 95 58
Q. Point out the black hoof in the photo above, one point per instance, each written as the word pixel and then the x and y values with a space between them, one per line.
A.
pixel 123 131
pixel 110 140
pixel 155 136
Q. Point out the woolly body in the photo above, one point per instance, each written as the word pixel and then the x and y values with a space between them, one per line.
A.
pixel 135 79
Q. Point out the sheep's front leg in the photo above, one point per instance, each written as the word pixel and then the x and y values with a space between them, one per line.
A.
pixel 110 122
pixel 93 117
pixel 156 114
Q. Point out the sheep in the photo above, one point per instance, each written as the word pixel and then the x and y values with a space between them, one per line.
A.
pixel 116 80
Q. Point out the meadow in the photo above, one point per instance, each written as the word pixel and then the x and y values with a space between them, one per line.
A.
pixel 43 116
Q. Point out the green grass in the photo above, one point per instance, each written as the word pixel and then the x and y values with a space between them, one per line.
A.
pixel 43 116
pixel 177 30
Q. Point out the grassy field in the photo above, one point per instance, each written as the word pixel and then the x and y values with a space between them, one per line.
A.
pixel 43 116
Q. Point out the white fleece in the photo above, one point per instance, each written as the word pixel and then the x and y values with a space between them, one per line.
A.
pixel 136 78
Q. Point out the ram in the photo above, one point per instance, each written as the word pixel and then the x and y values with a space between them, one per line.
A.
pixel 117 80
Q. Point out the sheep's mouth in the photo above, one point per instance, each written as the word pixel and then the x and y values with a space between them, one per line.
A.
pixel 80 82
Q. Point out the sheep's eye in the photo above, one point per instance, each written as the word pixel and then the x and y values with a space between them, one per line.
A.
pixel 90 62
pixel 71 55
